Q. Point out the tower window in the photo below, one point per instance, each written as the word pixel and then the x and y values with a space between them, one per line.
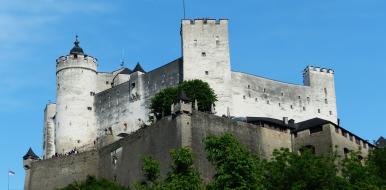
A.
pixel 299 97
pixel 206 72
pixel 282 94
pixel 330 112
pixel 264 90
pixel 267 101
pixel 255 99
pixel 292 107
pixel 325 91
pixel 107 82
pixel 318 110
pixel 203 54
pixel 326 101
pixel 249 86
pixel 89 108
pixel 244 97
pixel 133 85
pixel 279 104
pixel 195 43
pixel 217 41
pixel 304 108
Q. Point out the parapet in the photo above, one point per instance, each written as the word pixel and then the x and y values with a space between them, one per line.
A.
pixel 78 61
pixel 313 69
pixel 204 21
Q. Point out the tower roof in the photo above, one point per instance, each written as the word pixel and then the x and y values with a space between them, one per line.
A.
pixel 76 50
pixel 30 155
pixel 139 68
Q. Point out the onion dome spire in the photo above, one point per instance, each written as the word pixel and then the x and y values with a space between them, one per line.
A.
pixel 76 50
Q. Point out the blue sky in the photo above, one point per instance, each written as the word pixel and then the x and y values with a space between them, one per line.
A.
pixel 276 39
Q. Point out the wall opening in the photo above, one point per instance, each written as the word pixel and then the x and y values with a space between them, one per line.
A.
pixel 203 54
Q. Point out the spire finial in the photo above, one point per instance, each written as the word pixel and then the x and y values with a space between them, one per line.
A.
pixel 76 50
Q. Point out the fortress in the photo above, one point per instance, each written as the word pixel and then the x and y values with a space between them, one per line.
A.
pixel 100 113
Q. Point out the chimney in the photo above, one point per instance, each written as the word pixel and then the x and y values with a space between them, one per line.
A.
pixel 285 120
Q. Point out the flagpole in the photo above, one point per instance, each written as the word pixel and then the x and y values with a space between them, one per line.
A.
pixel 183 4
pixel 8 179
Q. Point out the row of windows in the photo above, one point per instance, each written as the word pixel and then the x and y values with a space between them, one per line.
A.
pixel 195 42
pixel 299 97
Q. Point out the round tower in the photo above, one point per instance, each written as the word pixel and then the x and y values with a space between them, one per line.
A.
pixel 76 78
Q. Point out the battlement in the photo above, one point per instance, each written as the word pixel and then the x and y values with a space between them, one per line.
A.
pixel 204 21
pixel 79 61
pixel 313 69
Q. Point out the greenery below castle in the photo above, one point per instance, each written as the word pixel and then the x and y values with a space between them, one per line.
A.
pixel 239 168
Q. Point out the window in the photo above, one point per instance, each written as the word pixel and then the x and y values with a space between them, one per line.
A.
pixel 264 90
pixel 282 94
pixel 308 99
pixel 330 112
pixel 249 86
pixel 89 108
pixel 217 41
pixel 78 141
pixel 195 43
pixel 267 101
pixel 304 108
pixel 316 129
pixel 318 110
pixel 292 107
pixel 133 85
pixel 107 82
pixel 299 97
pixel 255 99
pixel 244 97
pixel 203 54
pixel 326 101
pixel 92 93
pixel 279 104
pixel 249 94
pixel 206 72
pixel 325 91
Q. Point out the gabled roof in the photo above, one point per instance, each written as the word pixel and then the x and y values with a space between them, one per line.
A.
pixel 139 68
pixel 30 155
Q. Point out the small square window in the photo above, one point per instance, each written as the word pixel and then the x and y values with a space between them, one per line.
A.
pixel 203 54
pixel 304 108
pixel 330 112
pixel 107 82
pixel 206 72
pixel 267 101
pixel 89 108
pixel 244 97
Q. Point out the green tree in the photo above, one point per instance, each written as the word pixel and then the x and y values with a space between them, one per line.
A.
pixel 195 90
pixel 364 174
pixel 288 170
pixel 183 175
pixel 161 103
pixel 236 167
pixel 91 183
pixel 151 171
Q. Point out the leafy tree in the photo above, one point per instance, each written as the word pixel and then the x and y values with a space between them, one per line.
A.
pixel 92 183
pixel 288 170
pixel 151 170
pixel 183 175
pixel 194 89
pixel 200 91
pixel 236 167
pixel 162 101
pixel 364 174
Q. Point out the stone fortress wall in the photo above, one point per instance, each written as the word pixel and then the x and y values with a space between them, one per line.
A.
pixel 124 107
pixel 261 97
pixel 120 161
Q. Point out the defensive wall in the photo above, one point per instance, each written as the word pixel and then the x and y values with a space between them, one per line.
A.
pixel 121 160
pixel 262 97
